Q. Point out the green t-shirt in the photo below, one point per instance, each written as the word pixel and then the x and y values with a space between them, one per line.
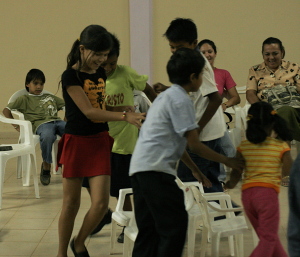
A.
pixel 38 109
pixel 119 92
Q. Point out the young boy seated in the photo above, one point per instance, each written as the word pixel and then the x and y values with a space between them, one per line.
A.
pixel 170 125
pixel 41 110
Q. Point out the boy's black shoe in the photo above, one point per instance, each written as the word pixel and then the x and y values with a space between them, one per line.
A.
pixel 45 176
pixel 106 220
pixel 81 254
pixel 121 237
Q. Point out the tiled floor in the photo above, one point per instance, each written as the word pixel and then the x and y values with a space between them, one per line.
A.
pixel 28 226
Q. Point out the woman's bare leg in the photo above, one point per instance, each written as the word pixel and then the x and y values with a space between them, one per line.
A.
pixel 99 192
pixel 71 203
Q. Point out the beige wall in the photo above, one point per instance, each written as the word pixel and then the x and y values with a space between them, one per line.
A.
pixel 39 33
pixel 238 27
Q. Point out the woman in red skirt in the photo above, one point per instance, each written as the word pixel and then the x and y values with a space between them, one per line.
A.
pixel 85 147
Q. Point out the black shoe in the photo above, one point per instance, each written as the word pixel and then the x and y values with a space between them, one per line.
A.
pixel 45 176
pixel 121 237
pixel 81 254
pixel 106 220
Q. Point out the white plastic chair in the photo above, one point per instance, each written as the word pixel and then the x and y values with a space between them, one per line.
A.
pixel 36 138
pixel 232 225
pixel 236 132
pixel 130 234
pixel 26 149
pixel 120 217
pixel 141 101
pixel 127 219
pixel 195 215
pixel 131 230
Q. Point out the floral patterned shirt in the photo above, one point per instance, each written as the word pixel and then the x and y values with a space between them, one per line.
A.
pixel 261 77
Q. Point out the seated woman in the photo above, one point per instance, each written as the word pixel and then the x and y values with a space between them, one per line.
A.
pixel 275 71
pixel 226 87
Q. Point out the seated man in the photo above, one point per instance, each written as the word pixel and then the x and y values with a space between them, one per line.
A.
pixel 41 110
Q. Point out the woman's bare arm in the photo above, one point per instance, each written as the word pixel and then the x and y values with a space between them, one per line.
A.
pixel 81 100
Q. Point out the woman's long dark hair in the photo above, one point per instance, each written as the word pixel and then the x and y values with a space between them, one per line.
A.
pixel 208 41
pixel 93 37
pixel 262 119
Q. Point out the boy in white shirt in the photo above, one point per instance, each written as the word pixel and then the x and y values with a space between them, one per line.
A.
pixel 207 102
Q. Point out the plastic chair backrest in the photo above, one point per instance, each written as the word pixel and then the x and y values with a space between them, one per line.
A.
pixel 122 194
pixel 203 209
pixel 141 101
pixel 203 202
pixel 22 92
pixel 188 195
pixel 26 131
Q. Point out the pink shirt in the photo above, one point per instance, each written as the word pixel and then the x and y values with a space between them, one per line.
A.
pixel 224 80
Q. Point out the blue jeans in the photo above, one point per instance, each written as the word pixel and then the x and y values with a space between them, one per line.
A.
pixel 47 133
pixel 228 150
pixel 209 168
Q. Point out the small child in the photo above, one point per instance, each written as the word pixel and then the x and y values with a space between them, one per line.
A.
pixel 41 110
pixel 170 124
pixel 267 160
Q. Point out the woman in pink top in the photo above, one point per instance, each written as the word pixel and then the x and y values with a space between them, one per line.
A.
pixel 226 88
pixel 225 83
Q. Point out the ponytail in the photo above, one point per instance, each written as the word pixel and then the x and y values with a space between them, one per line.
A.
pixel 95 38
pixel 281 128
pixel 74 55
pixel 262 119
pixel 255 132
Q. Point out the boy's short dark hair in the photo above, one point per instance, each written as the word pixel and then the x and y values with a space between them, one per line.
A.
pixel 115 50
pixel 182 64
pixel 34 74
pixel 182 29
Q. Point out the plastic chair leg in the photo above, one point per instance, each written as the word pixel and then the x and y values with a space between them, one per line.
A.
pixel 240 245
pixel 113 236
pixel 215 245
pixel 54 158
pixel 255 238
pixel 2 173
pixel 19 167
pixel 191 234
pixel 203 242
pixel 231 245
pixel 126 246
pixel 35 176
pixel 26 163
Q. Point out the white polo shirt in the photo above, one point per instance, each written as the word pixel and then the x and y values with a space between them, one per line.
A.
pixel 215 128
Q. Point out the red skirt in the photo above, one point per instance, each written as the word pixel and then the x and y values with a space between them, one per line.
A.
pixel 85 156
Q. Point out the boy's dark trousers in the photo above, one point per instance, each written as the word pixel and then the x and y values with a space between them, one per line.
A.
pixel 160 215
pixel 209 168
